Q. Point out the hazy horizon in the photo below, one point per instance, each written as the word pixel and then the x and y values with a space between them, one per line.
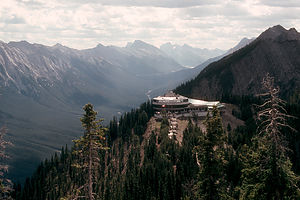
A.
pixel 82 24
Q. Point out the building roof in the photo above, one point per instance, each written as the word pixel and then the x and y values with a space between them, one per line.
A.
pixel 197 102
pixel 170 97
pixel 171 94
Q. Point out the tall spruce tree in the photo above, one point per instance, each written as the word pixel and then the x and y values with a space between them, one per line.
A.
pixel 88 148
pixel 267 172
pixel 210 154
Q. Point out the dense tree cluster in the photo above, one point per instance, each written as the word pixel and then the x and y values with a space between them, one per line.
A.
pixel 211 160
pixel 5 184
pixel 218 163
pixel 136 121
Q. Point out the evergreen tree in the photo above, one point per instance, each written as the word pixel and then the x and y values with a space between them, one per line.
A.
pixel 267 172
pixel 88 147
pixel 210 154
pixel 5 184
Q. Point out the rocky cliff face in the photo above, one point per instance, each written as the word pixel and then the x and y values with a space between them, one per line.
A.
pixel 276 51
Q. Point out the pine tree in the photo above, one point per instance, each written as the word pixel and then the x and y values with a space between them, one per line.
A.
pixel 267 172
pixel 88 147
pixel 5 184
pixel 210 154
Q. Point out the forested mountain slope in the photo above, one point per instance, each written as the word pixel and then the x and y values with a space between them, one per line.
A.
pixel 276 51
pixel 142 162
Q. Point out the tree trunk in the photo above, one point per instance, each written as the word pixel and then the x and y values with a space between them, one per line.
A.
pixel 90 173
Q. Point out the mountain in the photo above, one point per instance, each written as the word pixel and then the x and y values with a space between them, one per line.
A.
pixel 276 51
pixel 189 56
pixel 196 70
pixel 144 162
pixel 244 42
pixel 138 58
pixel 43 89
pixel 187 74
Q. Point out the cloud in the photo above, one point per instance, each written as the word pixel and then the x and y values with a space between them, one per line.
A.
pixel 85 23
pixel 13 19
pixel 150 3
pixel 226 9
pixel 30 3
pixel 281 3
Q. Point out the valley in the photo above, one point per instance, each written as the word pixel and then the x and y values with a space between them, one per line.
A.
pixel 169 148
pixel 149 100
pixel 43 89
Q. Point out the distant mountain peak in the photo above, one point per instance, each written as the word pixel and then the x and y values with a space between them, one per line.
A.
pixel 19 43
pixel 280 33
pixel 139 44
pixel 244 42
pixel 57 45
pixel 60 47
pixel 278 28
pixel 100 45
pixel 140 47
pixel 189 56
pixel 22 42
pixel 293 30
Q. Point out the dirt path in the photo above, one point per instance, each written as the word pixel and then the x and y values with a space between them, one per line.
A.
pixel 182 124
pixel 152 125
pixel 228 118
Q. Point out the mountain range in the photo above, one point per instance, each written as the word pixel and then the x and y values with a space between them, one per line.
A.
pixel 189 56
pixel 43 89
pixel 143 162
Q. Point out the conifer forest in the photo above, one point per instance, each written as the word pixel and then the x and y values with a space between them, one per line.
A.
pixel 129 159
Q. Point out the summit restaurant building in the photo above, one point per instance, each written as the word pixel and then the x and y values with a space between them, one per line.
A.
pixel 175 103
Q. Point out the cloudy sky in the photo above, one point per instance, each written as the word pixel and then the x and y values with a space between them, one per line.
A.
pixel 200 23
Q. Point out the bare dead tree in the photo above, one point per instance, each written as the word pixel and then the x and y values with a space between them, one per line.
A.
pixel 272 146
pixel 267 172
pixel 272 115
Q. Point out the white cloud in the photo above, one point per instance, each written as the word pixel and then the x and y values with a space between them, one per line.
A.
pixel 150 3
pixel 281 3
pixel 84 23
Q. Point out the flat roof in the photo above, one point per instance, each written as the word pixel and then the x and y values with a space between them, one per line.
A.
pixel 197 102
pixel 172 98
pixel 162 98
